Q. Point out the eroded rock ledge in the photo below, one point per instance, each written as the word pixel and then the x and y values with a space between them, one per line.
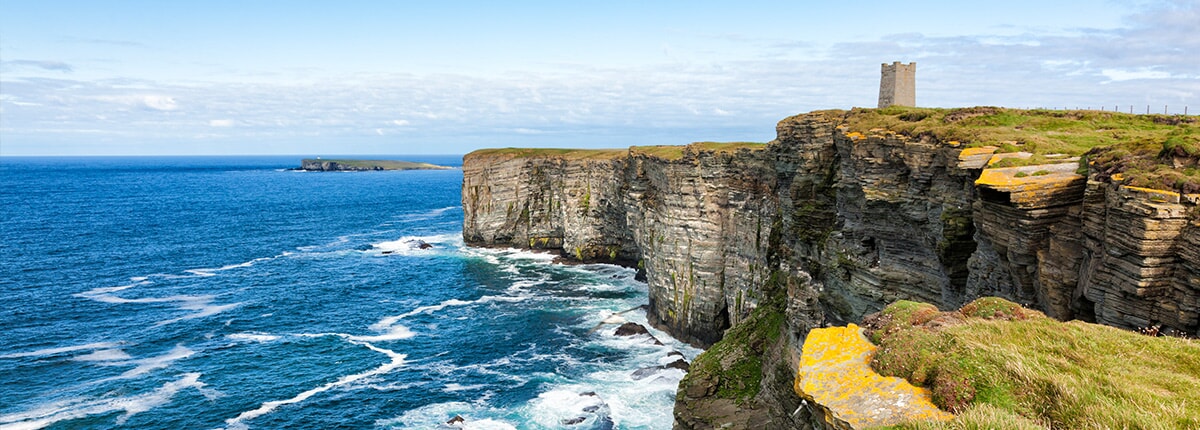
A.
pixel 831 224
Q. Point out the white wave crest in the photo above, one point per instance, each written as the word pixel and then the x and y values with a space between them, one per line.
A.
pixel 452 387
pixel 551 408
pixel 60 350
pixel 412 245
pixel 150 364
pixel 397 360
pixel 435 415
pixel 48 414
pixel 253 337
pixel 387 322
pixel 397 332
pixel 206 272
pixel 202 305
pixel 104 355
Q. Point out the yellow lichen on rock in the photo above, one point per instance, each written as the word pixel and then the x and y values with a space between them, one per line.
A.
pixel 974 158
pixel 835 373
pixel 1030 187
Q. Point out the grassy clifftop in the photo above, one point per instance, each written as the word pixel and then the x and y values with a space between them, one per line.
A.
pixel 1153 151
pixel 1000 366
pixel 666 152
pixel 1149 151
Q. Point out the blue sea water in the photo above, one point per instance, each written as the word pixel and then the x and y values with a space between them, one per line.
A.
pixel 229 292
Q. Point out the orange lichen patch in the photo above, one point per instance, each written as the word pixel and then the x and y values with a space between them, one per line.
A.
pixel 835 372
pixel 1151 194
pixel 1033 186
pixel 974 158
pixel 854 135
pixel 971 152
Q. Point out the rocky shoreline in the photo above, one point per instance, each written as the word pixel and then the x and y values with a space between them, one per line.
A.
pixel 827 224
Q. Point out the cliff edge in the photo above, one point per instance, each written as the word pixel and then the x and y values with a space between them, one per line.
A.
pixel 1080 215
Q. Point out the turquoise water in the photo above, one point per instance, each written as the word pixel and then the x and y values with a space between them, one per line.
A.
pixel 228 292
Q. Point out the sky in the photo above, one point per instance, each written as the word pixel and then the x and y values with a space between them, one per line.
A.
pixel 124 77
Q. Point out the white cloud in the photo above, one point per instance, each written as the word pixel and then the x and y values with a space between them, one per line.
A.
pixel 159 102
pixel 670 102
pixel 1129 75
pixel 54 66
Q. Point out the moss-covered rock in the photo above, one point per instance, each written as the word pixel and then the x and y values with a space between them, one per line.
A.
pixel 723 384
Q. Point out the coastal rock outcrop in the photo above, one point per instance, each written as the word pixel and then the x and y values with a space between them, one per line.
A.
pixel 828 223
pixel 348 165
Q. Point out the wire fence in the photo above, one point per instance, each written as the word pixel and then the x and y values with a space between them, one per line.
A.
pixel 1134 109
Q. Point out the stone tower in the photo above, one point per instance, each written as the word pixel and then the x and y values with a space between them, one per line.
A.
pixel 898 85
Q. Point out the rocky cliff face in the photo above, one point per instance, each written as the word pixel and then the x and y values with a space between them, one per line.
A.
pixel 829 224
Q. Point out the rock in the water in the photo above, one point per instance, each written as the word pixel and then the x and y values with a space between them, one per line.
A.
pixel 631 329
pixel 680 364
pixel 457 420
pixel 573 421
pixel 635 329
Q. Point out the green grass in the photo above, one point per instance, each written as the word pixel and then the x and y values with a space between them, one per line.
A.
pixel 735 362
pixel 999 366
pixel 1153 151
pixel 576 154
pixel 675 152
pixel 381 164
pixel 666 152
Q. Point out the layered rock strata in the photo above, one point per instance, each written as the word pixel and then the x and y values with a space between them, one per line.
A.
pixel 830 224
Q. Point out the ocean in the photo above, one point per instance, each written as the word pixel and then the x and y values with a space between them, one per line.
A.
pixel 230 292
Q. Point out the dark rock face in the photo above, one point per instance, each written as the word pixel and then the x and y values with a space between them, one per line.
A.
pixel 842 224
pixel 630 329
pixel 334 166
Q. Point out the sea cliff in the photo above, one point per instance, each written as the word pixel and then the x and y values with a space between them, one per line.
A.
pixel 842 214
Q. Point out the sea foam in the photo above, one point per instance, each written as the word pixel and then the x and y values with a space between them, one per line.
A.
pixel 49 414
pixel 60 350
pixel 397 360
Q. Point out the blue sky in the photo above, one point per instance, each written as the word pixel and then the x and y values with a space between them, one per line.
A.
pixel 370 77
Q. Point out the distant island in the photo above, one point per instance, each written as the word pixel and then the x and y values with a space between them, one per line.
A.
pixel 348 165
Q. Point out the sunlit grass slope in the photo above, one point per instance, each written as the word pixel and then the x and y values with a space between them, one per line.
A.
pixel 999 366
